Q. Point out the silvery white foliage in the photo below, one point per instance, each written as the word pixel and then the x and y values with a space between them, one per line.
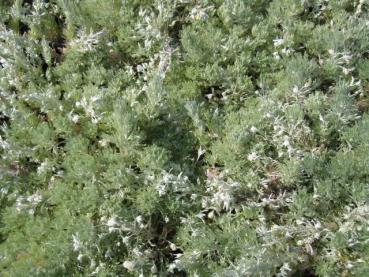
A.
pixel 269 254
pixel 343 60
pixel 98 269
pixel 11 47
pixel 155 90
pixel 144 14
pixel 39 7
pixel 166 12
pixel 287 51
pixel 129 265
pixel 278 42
pixel 253 156
pixel 86 41
pixel 80 247
pixel 39 10
pixel 220 193
pixel 286 132
pixel 304 232
pixel 187 258
pixel 353 226
pixel 44 167
pixel 147 28
pixel 276 56
pixel 116 224
pixel 74 117
pixel 139 222
pixel 77 244
pixel 360 5
pixel 4 144
pixel 302 92
pixel 354 222
pixel 152 23
pixel 89 104
pixel 150 81
pixel 28 203
pixel 18 56
pixel 46 51
pixel 113 224
pixel 176 264
pixel 358 214
pixel 158 64
pixel 164 60
pixel 44 96
pixel 273 201
pixel 252 266
pixel 169 183
pixel 140 257
pixel 282 138
pixel 253 129
pixel 285 270
pixel 17 10
pixel 200 12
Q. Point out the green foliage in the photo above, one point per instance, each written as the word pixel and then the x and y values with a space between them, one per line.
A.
pixel 184 138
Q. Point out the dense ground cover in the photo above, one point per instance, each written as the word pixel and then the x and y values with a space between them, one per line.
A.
pixel 184 138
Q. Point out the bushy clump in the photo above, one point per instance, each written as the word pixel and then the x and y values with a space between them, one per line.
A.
pixel 184 138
